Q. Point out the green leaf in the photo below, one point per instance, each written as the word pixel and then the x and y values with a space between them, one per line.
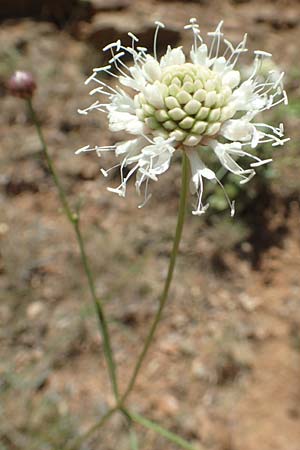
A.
pixel 172 437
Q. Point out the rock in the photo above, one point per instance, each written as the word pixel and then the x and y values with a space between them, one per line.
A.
pixel 187 347
pixel 190 426
pixel 108 28
pixel 167 405
pixel 170 344
pixel 111 5
pixel 34 309
pixel 231 364
pixel 5 314
pixel 284 21
pixel 199 371
pixel 18 8
pixel 55 10
pixel 248 303
pixel 200 2
pixel 4 228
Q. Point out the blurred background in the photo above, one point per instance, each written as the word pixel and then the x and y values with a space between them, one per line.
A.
pixel 224 370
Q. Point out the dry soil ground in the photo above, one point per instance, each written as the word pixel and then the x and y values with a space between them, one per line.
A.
pixel 224 370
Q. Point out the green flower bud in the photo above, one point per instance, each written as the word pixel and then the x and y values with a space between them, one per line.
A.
pixel 189 102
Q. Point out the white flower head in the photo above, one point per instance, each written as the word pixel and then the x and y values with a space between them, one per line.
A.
pixel 175 103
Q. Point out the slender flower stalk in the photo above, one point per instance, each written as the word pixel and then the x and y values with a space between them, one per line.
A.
pixel 74 219
pixel 173 256
pixel 63 199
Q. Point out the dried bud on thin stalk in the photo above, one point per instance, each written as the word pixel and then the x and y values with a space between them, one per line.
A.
pixel 21 84
pixel 200 105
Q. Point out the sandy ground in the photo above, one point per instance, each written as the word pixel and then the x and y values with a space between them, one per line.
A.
pixel 224 370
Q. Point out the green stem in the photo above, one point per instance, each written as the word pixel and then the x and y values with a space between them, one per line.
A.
pixel 74 220
pixel 56 180
pixel 100 314
pixel 172 437
pixel 133 440
pixel 164 296
pixel 77 442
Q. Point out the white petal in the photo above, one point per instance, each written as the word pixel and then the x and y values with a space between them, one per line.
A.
pixel 199 56
pixel 137 80
pixel 219 64
pixel 152 69
pixel 162 163
pixel 198 170
pixel 135 126
pixel 174 56
pixel 208 174
pixel 122 102
pixel 237 130
pixel 256 138
pixel 157 148
pixel 231 78
pixel 132 146
pixel 244 98
pixel 119 121
pixel 223 153
pixel 155 158
pixel 129 82
pixel 154 95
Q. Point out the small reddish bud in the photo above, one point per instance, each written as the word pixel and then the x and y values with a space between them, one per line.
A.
pixel 21 84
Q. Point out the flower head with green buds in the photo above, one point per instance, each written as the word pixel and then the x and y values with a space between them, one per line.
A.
pixel 173 104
